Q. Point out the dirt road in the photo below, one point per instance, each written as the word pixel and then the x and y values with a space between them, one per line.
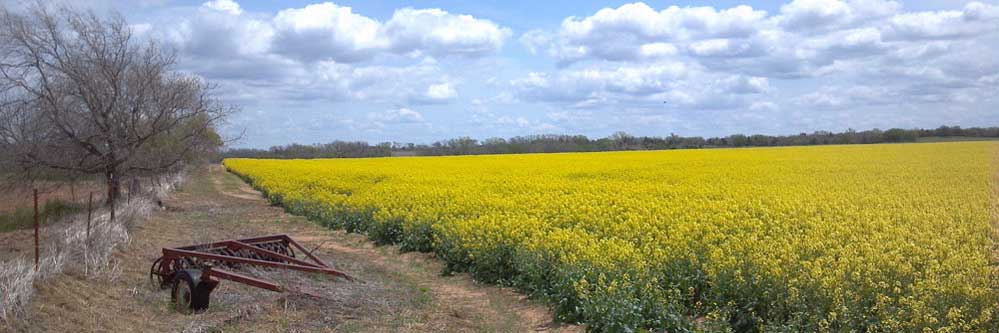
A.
pixel 400 292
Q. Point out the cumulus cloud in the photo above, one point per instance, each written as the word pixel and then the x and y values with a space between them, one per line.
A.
pixel 656 50
pixel 325 52
pixel 817 62
pixel 414 84
pixel 330 32
pixel 721 47
pixel 975 19
pixel 676 84
pixel 838 97
pixel 441 91
pixel 400 115
pixel 637 31
pixel 802 39
pixel 327 31
pixel 731 57
pixel 227 6
pixel 441 33
pixel 813 15
pixel 535 40
pixel 218 29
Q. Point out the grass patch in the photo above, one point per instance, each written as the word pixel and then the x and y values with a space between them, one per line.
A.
pixel 24 218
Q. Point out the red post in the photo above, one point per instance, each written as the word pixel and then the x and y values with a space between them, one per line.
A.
pixel 111 196
pixel 90 209
pixel 36 230
pixel 86 242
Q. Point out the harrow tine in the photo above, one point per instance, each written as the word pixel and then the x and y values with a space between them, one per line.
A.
pixel 269 253
pixel 183 267
pixel 297 267
pixel 317 247
pixel 307 253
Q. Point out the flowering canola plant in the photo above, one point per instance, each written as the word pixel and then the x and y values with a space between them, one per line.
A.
pixel 876 238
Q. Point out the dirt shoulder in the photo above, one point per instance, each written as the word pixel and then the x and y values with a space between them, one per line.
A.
pixel 399 292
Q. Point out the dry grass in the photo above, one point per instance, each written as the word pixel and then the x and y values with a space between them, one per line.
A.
pixel 74 252
pixel 399 293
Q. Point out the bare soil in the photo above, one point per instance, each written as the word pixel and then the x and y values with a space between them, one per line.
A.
pixel 398 292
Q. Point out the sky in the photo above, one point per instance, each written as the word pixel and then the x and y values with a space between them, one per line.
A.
pixel 313 72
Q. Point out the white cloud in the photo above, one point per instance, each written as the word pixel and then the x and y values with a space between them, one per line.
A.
pixel 398 116
pixel 381 84
pixel 442 91
pixel 330 32
pixel 838 97
pixel 656 50
pixel 441 33
pixel 623 33
pixel 815 62
pixel 813 15
pixel 975 19
pixel 217 29
pixel 763 106
pixel 227 6
pixel 744 85
pixel 731 55
pixel 141 28
pixel 647 86
pixel 535 40
pixel 802 40
pixel 327 31
pixel 843 44
pixel 672 22
pixel 720 47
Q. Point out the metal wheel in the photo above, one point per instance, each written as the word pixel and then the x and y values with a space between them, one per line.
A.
pixel 182 295
pixel 189 293
pixel 156 276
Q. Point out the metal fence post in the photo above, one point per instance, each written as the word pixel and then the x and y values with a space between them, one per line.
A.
pixel 111 196
pixel 86 250
pixel 36 230
pixel 90 210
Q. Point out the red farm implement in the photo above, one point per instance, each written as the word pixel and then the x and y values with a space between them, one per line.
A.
pixel 193 271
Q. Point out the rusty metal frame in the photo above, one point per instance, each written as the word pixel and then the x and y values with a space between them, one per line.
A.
pixel 212 272
pixel 175 253
pixel 255 251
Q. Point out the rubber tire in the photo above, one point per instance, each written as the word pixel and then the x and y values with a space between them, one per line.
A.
pixel 189 294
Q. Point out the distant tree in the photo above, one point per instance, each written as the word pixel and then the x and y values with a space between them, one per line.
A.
pixel 617 141
pixel 622 139
pixel 898 135
pixel 738 140
pixel 80 95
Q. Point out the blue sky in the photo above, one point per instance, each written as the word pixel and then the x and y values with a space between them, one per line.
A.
pixel 311 72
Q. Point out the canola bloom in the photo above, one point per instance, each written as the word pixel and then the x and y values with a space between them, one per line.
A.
pixel 876 238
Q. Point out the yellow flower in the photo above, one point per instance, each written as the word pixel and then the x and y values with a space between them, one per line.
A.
pixel 834 236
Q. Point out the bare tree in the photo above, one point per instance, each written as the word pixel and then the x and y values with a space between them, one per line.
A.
pixel 79 94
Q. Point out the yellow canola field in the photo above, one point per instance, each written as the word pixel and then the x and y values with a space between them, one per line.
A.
pixel 876 238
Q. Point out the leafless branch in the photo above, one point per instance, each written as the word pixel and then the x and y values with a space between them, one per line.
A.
pixel 80 95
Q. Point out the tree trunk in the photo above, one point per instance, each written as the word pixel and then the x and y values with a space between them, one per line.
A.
pixel 114 186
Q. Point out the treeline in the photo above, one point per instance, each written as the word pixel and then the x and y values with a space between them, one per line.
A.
pixel 617 141
pixel 335 149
